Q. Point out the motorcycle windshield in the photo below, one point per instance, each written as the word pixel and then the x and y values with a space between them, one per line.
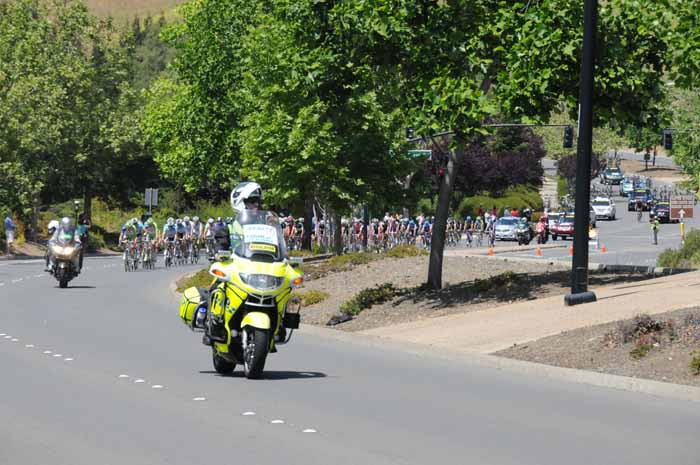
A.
pixel 65 237
pixel 257 235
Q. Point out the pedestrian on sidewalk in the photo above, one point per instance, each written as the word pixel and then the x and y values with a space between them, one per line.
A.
pixel 655 225
pixel 10 230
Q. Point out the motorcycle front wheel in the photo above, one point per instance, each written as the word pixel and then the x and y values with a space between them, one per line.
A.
pixel 63 283
pixel 255 351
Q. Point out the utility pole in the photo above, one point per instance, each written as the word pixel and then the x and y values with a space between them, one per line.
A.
pixel 579 269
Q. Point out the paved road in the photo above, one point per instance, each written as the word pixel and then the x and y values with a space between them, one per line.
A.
pixel 73 361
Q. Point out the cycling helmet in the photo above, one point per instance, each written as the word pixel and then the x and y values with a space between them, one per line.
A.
pixel 469 218
pixel 171 221
pixel 186 219
pixel 150 221
pixel 210 221
pixel 219 219
pixel 178 221
pixel 245 192
pixel 134 221
pixel 195 219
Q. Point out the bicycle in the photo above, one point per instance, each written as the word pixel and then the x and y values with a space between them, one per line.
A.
pixel 169 253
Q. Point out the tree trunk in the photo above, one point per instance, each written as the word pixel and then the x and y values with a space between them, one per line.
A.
pixel 308 225
pixel 437 246
pixel 35 217
pixel 337 234
pixel 87 202
pixel 365 220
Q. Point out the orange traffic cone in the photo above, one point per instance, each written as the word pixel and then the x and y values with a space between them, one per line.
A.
pixel 491 252
pixel 571 250
pixel 603 249
pixel 538 253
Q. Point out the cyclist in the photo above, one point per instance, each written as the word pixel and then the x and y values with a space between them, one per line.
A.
pixel 131 236
pixel 426 229
pixel 180 236
pixel 197 228
pixel 168 237
pixel 150 233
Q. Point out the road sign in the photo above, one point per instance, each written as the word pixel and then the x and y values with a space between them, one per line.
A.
pixel 418 153
pixel 682 206
pixel 151 198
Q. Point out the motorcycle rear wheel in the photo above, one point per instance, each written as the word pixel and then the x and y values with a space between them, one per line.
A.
pixel 63 283
pixel 255 353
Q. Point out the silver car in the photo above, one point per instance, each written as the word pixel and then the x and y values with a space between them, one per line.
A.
pixel 604 208
pixel 505 228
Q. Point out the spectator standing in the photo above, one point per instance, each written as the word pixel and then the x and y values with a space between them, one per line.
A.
pixel 514 212
pixel 10 231
pixel 82 230
pixel 655 225
pixel 494 212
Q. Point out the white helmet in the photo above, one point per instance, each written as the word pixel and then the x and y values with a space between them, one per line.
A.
pixel 171 221
pixel 210 221
pixel 66 223
pixel 243 192
pixel 186 219
pixel 195 219
pixel 53 225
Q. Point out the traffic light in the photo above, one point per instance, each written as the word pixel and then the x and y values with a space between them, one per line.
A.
pixel 668 139
pixel 568 137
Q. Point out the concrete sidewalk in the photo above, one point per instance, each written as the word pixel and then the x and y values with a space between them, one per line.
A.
pixel 498 328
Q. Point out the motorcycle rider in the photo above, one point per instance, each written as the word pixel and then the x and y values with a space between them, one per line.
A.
pixel 541 230
pixel 52 228
pixel 245 196
pixel 65 232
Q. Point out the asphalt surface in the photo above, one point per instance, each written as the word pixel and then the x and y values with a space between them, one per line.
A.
pixel 104 373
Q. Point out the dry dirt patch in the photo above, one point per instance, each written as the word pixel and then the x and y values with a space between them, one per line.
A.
pixel 526 281
pixel 660 348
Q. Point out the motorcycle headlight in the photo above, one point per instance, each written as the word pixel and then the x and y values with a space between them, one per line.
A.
pixel 60 250
pixel 261 281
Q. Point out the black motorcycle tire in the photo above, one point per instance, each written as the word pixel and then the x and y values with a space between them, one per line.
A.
pixel 221 365
pixel 63 283
pixel 254 359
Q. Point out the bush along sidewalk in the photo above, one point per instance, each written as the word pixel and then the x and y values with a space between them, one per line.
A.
pixel 364 299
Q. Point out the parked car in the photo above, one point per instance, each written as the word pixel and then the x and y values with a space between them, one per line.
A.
pixel 553 218
pixel 626 187
pixel 506 228
pixel 643 196
pixel 662 211
pixel 563 228
pixel 611 176
pixel 603 207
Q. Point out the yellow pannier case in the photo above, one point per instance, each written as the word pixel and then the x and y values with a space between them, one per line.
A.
pixel 191 299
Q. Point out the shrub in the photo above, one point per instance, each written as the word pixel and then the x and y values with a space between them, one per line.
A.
pixel 368 297
pixel 202 278
pixel 351 259
pixel 519 197
pixel 404 251
pixel 640 351
pixel 688 256
pixel 639 326
pixel 310 297
pixel 695 363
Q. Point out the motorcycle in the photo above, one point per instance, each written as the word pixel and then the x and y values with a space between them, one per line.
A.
pixel 523 234
pixel 541 234
pixel 246 311
pixel 65 256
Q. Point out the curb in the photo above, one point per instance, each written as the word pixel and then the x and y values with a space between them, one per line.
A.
pixel 655 270
pixel 622 383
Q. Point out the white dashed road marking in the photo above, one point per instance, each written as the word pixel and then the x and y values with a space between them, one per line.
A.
pixel 157 386
pixel 14 339
pixel 8 337
pixel 123 376
pixel 29 346
pixel 138 381
pixel 309 430
pixel 248 414
pixel 277 422
pixel 57 355
pixel 47 351
pixel 2 334
pixel 199 399
pixel 68 359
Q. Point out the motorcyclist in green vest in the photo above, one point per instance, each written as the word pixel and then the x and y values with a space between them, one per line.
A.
pixel 245 196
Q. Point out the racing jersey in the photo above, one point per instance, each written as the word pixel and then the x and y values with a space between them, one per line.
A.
pixel 150 230
pixel 180 229
pixel 169 232
pixel 196 229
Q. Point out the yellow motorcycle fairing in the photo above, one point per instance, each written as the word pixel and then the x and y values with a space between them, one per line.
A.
pixel 231 292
